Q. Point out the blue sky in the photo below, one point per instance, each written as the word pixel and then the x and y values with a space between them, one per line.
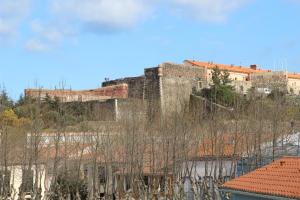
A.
pixel 48 42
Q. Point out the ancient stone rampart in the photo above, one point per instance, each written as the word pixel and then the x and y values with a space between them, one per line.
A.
pixel 109 92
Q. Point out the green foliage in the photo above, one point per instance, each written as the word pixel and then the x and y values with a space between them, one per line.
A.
pixel 21 101
pixel 67 186
pixel 220 91
pixel 5 100
pixel 26 110
pixel 51 118
pixel 277 95
pixel 8 117
pixel 56 114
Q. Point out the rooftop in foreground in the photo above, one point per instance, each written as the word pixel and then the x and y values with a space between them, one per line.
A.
pixel 280 178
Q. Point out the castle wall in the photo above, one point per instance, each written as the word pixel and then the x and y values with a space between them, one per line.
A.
pixel 106 111
pixel 168 87
pixel 135 85
pixel 151 92
pixel 132 109
pixel 109 92
pixel 177 84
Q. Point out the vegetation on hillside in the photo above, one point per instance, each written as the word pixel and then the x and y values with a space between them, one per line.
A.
pixel 218 135
pixel 220 91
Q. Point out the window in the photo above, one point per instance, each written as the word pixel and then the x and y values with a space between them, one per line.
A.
pixel 27 180
pixel 200 85
pixel 5 182
pixel 102 175
pixel 242 88
pixel 127 182
pixel 86 173
pixel 209 181
pixel 227 178
pixel 162 183
pixel 146 180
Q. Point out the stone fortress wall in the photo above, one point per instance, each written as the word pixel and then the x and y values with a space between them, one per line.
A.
pixel 168 86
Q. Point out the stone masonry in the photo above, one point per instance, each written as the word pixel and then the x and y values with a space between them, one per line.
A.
pixel 167 87
pixel 110 92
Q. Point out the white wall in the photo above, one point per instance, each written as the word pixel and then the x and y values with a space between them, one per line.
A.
pixel 199 168
pixel 295 85
pixel 199 171
pixel 16 179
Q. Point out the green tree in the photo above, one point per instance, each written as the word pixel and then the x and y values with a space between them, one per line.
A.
pixel 8 117
pixel 220 90
pixel 5 100
pixel 67 186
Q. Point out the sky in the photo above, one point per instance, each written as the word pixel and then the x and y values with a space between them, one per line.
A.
pixel 78 43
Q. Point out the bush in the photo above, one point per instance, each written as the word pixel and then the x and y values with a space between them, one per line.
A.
pixel 66 186
pixel 220 91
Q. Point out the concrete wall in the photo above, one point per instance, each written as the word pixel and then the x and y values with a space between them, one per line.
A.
pixel 202 169
pixel 248 197
pixel 244 197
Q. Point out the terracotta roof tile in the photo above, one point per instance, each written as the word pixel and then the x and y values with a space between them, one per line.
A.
pixel 280 178
pixel 220 146
pixel 294 76
pixel 239 69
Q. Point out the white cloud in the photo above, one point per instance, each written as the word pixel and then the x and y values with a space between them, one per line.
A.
pixel 48 32
pixel 103 15
pixel 113 15
pixel 68 18
pixel 47 36
pixel 208 10
pixel 294 1
pixel 12 12
pixel 36 45
pixel 71 17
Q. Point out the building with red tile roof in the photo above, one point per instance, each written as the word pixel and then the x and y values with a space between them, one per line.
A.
pixel 278 180
pixel 230 68
pixel 243 77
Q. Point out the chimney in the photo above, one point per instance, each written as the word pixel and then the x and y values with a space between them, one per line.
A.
pixel 254 67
